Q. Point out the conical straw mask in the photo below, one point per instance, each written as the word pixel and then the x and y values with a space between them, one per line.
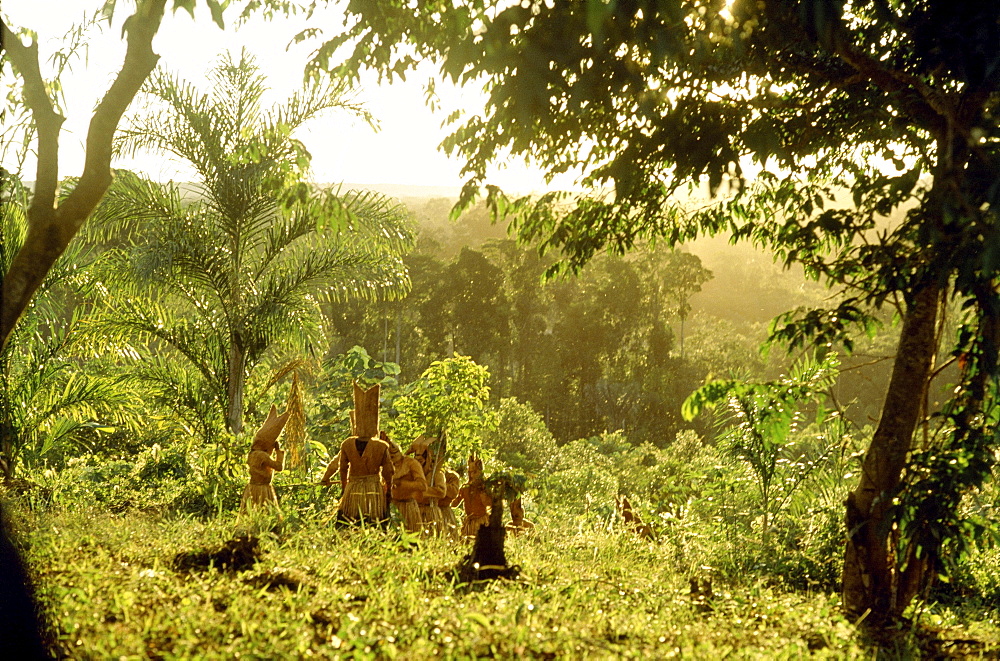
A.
pixel 366 411
pixel 268 433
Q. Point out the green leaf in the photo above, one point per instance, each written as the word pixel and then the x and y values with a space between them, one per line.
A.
pixel 706 397
pixel 216 9
pixel 185 4
pixel 479 619
pixel 107 11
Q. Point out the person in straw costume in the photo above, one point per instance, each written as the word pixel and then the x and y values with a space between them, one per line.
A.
pixel 408 483
pixel 476 501
pixel 333 467
pixel 518 523
pixel 365 468
pixel 430 512
pixel 260 491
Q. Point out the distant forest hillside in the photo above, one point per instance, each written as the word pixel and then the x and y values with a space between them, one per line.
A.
pixel 734 267
pixel 606 350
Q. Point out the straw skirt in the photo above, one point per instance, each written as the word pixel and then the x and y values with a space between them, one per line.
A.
pixel 409 512
pixel 472 524
pixel 451 526
pixel 433 522
pixel 363 499
pixel 258 495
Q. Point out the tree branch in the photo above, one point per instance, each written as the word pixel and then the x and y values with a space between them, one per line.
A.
pixel 48 122
pixel 140 60
pixel 50 229
pixel 924 103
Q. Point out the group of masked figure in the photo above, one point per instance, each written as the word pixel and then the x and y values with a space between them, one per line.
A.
pixel 376 475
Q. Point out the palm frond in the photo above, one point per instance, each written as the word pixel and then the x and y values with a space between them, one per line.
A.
pixel 14 198
pixel 85 395
pixel 186 124
pixel 313 101
pixel 64 429
pixel 237 88
pixel 362 217
pixel 184 391
pixel 132 207
pixel 203 347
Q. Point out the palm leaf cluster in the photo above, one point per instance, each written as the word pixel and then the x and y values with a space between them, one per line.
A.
pixel 231 269
pixel 46 401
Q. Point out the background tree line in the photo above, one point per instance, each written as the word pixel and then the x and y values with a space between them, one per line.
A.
pixel 617 347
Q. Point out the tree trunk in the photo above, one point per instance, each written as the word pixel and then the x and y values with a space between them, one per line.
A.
pixel 871 579
pixel 488 559
pixel 682 337
pixel 235 385
pixel 385 339
pixel 399 330
pixel 8 459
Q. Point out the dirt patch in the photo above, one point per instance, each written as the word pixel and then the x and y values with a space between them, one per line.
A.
pixel 273 580
pixel 237 554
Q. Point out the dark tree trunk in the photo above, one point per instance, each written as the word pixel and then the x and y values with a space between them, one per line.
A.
pixel 488 559
pixel 8 460
pixel 488 554
pixel 871 577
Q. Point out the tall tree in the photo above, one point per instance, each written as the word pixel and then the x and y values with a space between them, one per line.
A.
pixel 530 354
pixel 894 101
pixel 479 309
pixel 675 277
pixel 233 268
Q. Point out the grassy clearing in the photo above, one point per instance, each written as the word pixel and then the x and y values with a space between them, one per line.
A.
pixel 109 591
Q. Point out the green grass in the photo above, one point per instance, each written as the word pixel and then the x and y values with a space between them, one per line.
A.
pixel 109 591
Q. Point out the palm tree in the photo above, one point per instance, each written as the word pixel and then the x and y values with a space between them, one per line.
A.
pixel 45 400
pixel 225 273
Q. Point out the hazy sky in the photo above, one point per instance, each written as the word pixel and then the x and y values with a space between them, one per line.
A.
pixel 344 148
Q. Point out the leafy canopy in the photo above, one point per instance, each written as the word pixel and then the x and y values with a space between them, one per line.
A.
pixel 643 98
pixel 450 400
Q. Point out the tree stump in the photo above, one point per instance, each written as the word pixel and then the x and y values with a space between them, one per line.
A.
pixel 488 559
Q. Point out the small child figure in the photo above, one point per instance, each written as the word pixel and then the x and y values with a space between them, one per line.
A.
pixel 632 520
pixel 260 491
pixel 518 523
pixel 430 512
